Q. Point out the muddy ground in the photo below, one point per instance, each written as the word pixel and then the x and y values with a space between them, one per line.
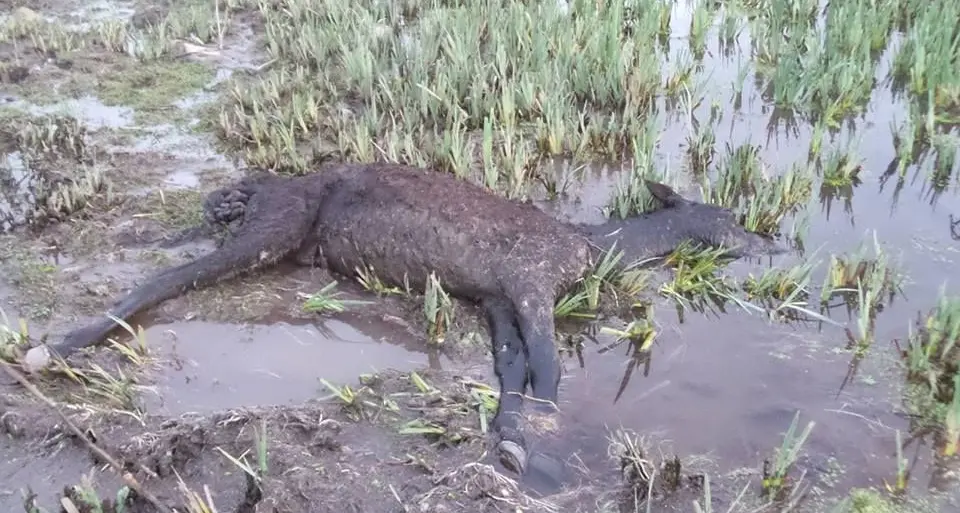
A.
pixel 223 365
pixel 177 414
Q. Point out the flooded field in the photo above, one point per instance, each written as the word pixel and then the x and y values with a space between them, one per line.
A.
pixel 118 118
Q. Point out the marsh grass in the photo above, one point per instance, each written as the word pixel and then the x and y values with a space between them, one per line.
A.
pixel 13 340
pixel 363 403
pixel 632 195
pixel 784 292
pixel 198 21
pixel 743 184
pixel 777 484
pixel 926 64
pixel 84 497
pixel 364 78
pixel 583 301
pixel 840 169
pixel 697 279
pixel 62 177
pixel 89 385
pixel 368 279
pixel 836 67
pixel 909 142
pixel 864 281
pixel 899 486
pixel 630 451
pixel 64 136
pixel 701 148
pixel 944 170
pixel 640 334
pixel 99 388
pixel 255 473
pixel 445 416
pixel 933 374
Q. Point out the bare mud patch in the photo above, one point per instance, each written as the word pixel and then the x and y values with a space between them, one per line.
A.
pixel 318 455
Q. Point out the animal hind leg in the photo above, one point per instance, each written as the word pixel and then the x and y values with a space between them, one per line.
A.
pixel 511 370
pixel 534 308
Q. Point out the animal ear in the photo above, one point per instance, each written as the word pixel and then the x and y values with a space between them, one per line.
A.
pixel 665 193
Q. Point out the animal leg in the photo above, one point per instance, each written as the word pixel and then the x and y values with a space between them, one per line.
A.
pixel 275 223
pixel 535 314
pixel 511 370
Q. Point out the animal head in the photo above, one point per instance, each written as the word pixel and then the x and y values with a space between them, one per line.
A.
pixel 711 225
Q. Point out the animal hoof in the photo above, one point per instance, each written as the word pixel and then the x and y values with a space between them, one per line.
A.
pixel 36 359
pixel 548 471
pixel 513 456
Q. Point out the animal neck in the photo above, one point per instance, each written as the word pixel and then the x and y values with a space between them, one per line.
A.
pixel 640 238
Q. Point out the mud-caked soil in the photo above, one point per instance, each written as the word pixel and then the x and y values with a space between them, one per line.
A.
pixel 371 455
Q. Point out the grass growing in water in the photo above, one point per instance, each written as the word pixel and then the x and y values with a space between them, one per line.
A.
pixel 775 474
pixel 696 279
pixel 933 373
pixel 743 185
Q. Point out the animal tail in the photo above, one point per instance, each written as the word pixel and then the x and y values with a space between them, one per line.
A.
pixel 260 240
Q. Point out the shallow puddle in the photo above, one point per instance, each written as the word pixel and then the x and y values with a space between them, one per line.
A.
pixel 213 366
pixel 88 110
pixel 727 388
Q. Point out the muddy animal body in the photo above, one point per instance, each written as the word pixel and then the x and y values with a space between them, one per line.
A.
pixel 405 223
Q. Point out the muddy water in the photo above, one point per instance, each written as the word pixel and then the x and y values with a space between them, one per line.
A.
pixel 729 385
pixel 214 366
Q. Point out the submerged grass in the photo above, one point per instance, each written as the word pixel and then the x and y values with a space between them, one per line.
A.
pixel 863 281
